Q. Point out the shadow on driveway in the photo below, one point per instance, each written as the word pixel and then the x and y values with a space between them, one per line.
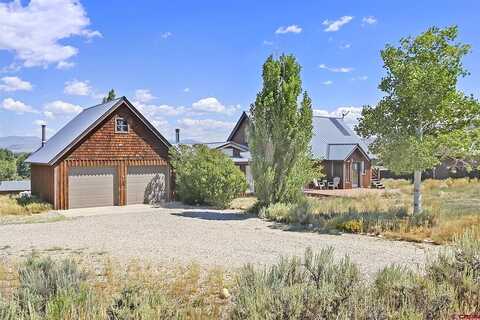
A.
pixel 214 215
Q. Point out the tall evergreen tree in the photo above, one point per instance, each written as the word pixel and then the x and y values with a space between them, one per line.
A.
pixel 423 117
pixel 280 133
pixel 110 96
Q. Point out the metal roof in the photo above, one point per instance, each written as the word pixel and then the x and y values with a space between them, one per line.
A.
pixel 328 134
pixel 333 138
pixel 225 144
pixel 340 151
pixel 14 186
pixel 79 126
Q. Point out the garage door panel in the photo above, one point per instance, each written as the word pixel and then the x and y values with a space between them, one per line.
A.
pixel 92 187
pixel 145 183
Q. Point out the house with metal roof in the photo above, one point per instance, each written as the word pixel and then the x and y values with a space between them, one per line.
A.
pixel 109 154
pixel 8 187
pixel 340 150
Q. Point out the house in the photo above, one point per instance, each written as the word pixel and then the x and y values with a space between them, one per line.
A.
pixel 12 187
pixel 342 153
pixel 107 155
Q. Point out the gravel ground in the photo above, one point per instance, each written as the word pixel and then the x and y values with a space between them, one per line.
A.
pixel 208 237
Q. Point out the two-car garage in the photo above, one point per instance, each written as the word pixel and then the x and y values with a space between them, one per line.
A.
pixel 108 155
pixel 99 186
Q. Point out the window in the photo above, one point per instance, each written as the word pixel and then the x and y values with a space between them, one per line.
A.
pixel 348 172
pixel 121 125
pixel 228 152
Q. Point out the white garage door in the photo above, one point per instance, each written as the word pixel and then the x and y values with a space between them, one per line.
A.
pixel 146 184
pixel 92 187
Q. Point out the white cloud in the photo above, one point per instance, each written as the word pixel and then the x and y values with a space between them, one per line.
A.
pixel 340 69
pixel 160 110
pixel 17 106
pixel 143 95
pixel 335 25
pixel 186 90
pixel 77 88
pixel 166 35
pixel 34 32
pixel 290 29
pixel 39 122
pixel 210 104
pixel 49 114
pixel 204 130
pixel 15 84
pixel 211 123
pixel 327 83
pixel 59 107
pixel 369 20
pixel 345 46
pixel 360 78
pixel 352 114
pixel 65 65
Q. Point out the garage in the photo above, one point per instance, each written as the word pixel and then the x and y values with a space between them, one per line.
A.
pixel 92 187
pixel 146 184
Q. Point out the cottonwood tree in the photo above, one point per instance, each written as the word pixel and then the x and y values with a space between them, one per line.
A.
pixel 280 131
pixel 423 117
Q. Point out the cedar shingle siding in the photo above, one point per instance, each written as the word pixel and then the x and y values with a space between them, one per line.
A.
pixel 138 143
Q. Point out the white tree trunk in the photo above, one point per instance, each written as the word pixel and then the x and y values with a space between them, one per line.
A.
pixel 417 195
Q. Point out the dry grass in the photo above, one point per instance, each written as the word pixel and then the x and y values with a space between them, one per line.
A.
pixel 450 207
pixel 13 205
pixel 137 291
pixel 243 203
pixel 456 202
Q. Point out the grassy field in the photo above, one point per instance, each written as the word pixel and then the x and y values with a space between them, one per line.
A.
pixel 454 203
pixel 14 205
pixel 315 286
pixel 450 207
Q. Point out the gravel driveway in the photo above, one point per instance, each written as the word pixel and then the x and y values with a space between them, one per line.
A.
pixel 208 237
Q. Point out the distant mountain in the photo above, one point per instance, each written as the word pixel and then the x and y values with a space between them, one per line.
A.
pixel 20 143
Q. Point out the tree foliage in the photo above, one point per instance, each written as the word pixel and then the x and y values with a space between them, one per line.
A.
pixel 13 166
pixel 111 95
pixel 205 176
pixel 423 118
pixel 280 133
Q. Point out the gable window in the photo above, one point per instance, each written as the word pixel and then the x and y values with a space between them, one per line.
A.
pixel 228 152
pixel 121 125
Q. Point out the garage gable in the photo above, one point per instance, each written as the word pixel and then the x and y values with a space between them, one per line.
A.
pixel 105 142
pixel 89 121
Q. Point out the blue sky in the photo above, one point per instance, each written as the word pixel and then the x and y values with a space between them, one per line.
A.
pixel 197 64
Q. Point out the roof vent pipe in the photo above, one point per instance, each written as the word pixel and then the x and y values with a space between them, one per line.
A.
pixel 44 134
pixel 177 135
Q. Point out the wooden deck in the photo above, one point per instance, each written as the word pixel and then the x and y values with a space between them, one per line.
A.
pixel 349 193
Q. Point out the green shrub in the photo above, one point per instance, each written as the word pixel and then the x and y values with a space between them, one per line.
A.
pixel 206 176
pixel 459 268
pixel 315 287
pixel 42 279
pixel 424 219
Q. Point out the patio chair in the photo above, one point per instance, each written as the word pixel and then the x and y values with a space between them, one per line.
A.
pixel 322 184
pixel 317 184
pixel 334 184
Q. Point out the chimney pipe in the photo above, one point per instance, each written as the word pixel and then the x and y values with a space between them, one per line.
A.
pixel 177 135
pixel 44 134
